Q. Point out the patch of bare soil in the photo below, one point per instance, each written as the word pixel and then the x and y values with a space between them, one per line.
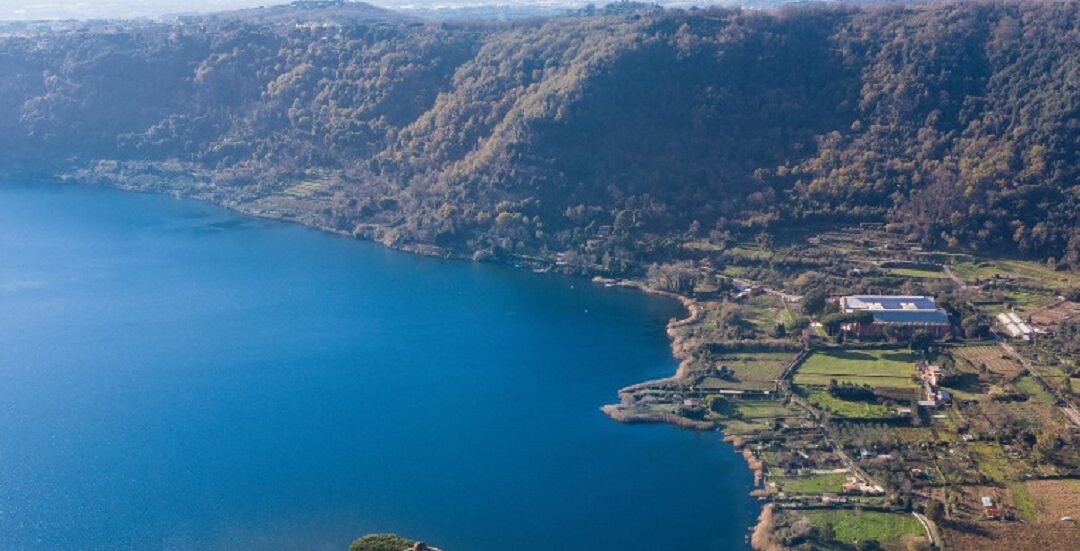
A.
pixel 1011 536
pixel 1055 499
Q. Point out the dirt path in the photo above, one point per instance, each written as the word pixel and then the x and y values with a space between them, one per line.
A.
pixel 955 279
pixel 1068 410
pixel 931 531
pixel 1072 414
pixel 819 420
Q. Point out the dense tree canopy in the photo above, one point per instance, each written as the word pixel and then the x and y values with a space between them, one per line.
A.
pixel 609 134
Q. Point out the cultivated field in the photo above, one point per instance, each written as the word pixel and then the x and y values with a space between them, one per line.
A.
pixel 814 484
pixel 990 460
pixel 1054 499
pixel 996 360
pixel 753 370
pixel 916 273
pixel 1057 313
pixel 996 536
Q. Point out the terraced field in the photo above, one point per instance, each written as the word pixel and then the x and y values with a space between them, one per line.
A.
pixel 916 273
pixel 1022 270
pixel 996 360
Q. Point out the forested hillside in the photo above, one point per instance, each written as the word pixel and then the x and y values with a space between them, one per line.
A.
pixel 614 134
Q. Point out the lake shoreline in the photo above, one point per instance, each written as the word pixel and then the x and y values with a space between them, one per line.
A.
pixel 623 412
pixel 620 412
pixel 342 302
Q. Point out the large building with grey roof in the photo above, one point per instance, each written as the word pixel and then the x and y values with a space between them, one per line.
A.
pixel 905 315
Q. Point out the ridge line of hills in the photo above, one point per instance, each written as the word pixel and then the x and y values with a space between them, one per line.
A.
pixel 615 135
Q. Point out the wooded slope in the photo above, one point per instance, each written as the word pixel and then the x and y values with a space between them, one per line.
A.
pixel 957 121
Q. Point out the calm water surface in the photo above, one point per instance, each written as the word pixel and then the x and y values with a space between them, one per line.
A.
pixel 176 376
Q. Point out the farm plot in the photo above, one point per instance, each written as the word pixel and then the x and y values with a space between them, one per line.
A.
pixel 1055 499
pixel 988 356
pixel 1028 300
pixel 746 370
pixel 880 369
pixel 1056 313
pixel 1037 414
pixel 764 409
pixel 306 189
pixel 815 484
pixel 916 273
pixel 967 500
pixel 912 436
pixel 1028 272
pixel 852 527
pixel 1011 536
pixel 1032 388
pixel 992 461
pixel 753 416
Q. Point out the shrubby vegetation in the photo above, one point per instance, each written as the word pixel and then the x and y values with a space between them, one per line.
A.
pixel 852 392
pixel 615 135
pixel 381 542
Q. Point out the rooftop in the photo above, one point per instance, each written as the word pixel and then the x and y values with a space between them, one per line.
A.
pixel 887 302
pixel 911 317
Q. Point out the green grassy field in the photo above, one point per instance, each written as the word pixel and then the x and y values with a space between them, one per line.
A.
pixel 751 251
pixel 871 380
pixel 816 484
pixel 735 271
pixel 967 393
pixel 740 427
pixel 971 271
pixel 1030 300
pixel 765 311
pixel 1026 271
pixel 763 410
pixel 1032 388
pixel 754 370
pixel 821 399
pixel 1021 498
pixel 992 461
pixel 852 526
pixel 916 273
pixel 877 368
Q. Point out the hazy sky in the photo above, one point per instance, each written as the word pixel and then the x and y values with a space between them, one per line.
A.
pixel 65 9
pixel 53 9
pixel 83 9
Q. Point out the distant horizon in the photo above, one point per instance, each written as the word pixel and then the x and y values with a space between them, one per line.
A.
pixel 21 10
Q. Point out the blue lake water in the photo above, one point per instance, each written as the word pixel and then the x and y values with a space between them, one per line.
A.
pixel 177 376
